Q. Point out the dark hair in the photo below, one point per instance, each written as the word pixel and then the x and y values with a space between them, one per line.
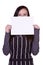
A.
pixel 31 37
pixel 19 8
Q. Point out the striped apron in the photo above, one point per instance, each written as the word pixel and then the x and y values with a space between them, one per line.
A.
pixel 21 51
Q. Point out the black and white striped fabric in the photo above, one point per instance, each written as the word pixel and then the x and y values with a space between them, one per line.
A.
pixel 21 51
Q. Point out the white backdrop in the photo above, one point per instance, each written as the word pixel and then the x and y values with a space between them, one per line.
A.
pixel 7 9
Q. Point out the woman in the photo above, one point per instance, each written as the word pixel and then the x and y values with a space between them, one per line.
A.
pixel 20 52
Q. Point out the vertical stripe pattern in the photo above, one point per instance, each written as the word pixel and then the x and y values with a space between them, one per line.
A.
pixel 21 50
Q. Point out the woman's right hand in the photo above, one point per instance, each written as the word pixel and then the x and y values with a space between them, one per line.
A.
pixel 8 28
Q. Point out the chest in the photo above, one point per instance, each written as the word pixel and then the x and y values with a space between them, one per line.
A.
pixel 18 43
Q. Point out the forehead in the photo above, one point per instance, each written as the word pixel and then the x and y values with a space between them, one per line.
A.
pixel 23 10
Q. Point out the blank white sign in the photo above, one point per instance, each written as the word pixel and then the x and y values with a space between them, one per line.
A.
pixel 22 25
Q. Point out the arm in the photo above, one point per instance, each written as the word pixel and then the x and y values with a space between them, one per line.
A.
pixel 6 44
pixel 35 44
pixel 6 48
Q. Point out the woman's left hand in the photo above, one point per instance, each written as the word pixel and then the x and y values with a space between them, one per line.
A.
pixel 36 26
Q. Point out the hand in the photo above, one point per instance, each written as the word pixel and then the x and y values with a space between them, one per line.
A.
pixel 36 26
pixel 8 28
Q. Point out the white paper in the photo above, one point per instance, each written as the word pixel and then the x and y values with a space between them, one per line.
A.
pixel 22 25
